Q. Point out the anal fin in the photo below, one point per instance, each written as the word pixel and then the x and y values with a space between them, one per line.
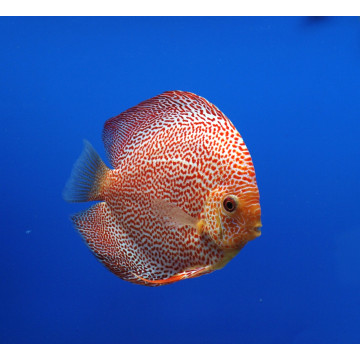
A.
pixel 109 242
pixel 187 274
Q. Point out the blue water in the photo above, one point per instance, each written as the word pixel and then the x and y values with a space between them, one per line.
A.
pixel 291 86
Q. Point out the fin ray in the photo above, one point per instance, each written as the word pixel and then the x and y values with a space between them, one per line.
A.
pixel 86 178
pixel 186 274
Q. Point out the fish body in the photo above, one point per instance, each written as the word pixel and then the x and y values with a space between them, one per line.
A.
pixel 181 199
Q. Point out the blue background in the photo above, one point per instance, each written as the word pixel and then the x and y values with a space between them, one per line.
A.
pixel 292 88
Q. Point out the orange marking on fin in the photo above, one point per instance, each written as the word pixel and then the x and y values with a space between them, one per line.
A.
pixel 187 274
pixel 169 280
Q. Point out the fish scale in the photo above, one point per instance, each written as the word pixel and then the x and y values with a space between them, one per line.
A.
pixel 172 154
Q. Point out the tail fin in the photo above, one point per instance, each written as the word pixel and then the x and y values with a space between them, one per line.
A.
pixel 87 177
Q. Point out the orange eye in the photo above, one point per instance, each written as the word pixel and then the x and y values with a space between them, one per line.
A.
pixel 229 204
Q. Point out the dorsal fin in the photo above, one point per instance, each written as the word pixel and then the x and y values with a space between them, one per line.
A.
pixel 124 132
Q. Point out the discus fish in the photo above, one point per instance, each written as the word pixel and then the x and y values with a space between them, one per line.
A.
pixel 181 200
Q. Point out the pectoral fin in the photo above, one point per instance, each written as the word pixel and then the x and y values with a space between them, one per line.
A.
pixel 173 216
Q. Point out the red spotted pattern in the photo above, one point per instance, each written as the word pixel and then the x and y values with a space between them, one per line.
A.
pixel 179 147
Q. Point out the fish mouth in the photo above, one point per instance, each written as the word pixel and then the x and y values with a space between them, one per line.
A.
pixel 257 228
pixel 257 231
pixel 251 234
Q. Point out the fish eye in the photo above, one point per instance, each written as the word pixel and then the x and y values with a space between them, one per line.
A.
pixel 230 204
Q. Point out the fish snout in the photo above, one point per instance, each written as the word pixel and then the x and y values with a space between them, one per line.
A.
pixel 254 228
